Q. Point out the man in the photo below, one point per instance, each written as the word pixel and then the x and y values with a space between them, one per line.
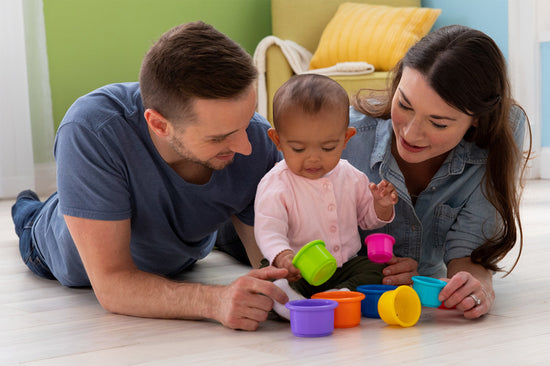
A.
pixel 147 173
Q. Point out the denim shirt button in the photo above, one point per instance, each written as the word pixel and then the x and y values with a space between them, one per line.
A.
pixel 333 229
pixel 331 207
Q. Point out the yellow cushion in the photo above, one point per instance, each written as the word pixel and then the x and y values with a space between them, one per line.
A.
pixel 377 34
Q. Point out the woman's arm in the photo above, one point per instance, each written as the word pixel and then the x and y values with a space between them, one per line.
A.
pixel 470 288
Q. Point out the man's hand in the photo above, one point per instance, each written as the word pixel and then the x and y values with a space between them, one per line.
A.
pixel 247 301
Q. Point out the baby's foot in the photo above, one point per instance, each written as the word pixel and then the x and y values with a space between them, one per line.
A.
pixel 279 308
pixel 338 289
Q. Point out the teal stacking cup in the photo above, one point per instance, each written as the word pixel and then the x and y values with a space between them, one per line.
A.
pixel 428 290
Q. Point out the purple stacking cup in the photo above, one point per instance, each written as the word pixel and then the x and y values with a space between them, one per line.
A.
pixel 312 317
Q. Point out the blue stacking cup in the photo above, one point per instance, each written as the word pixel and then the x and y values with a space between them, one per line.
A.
pixel 369 305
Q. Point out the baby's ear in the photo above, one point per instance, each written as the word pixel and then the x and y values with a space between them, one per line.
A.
pixel 274 136
pixel 350 132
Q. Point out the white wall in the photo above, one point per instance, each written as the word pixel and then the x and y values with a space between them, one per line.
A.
pixel 529 20
pixel 16 154
pixel 26 141
pixel 40 99
pixel 543 33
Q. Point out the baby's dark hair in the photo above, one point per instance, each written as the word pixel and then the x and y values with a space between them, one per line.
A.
pixel 309 93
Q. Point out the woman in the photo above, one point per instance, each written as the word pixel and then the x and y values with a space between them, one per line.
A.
pixel 448 136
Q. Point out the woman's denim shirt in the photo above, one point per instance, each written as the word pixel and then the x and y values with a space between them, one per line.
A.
pixel 451 216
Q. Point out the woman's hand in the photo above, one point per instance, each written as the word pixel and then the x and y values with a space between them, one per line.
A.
pixel 468 294
pixel 400 271
pixel 284 260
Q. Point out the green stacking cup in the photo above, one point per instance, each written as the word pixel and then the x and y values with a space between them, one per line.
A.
pixel 315 262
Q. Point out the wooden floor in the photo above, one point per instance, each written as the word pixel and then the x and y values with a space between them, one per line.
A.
pixel 43 323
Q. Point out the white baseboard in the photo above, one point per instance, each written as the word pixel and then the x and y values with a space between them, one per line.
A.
pixel 10 186
pixel 544 163
pixel 45 178
pixel 44 182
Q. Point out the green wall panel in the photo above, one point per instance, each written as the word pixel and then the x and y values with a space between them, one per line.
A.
pixel 95 42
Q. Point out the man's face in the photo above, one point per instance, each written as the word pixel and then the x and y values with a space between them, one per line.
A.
pixel 217 133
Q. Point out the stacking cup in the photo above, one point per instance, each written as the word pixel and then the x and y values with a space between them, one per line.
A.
pixel 400 307
pixel 428 290
pixel 369 305
pixel 348 312
pixel 315 262
pixel 379 247
pixel 311 317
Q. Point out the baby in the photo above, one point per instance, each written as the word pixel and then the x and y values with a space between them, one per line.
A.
pixel 313 193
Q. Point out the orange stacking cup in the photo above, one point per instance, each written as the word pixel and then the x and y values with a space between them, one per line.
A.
pixel 348 312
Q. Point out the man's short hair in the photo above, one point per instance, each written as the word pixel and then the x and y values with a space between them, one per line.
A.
pixel 190 61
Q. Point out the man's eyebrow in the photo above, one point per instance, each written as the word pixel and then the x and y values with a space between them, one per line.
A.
pixel 221 136
pixel 434 116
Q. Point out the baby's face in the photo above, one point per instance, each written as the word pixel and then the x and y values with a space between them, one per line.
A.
pixel 312 144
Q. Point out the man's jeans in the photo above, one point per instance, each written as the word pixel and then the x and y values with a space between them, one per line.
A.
pixel 24 212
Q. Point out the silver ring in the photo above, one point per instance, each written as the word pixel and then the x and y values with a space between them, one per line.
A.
pixel 476 299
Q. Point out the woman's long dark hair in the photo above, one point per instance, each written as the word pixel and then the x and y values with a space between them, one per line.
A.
pixel 467 69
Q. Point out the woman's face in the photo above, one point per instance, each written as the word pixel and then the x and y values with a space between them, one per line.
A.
pixel 425 126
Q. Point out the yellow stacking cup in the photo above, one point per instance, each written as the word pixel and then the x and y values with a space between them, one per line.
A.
pixel 400 306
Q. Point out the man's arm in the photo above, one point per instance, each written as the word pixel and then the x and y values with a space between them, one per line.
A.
pixel 246 234
pixel 121 287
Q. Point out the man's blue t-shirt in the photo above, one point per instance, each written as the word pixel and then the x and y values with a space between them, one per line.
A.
pixel 109 169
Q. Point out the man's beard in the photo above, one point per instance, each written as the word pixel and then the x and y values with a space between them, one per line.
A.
pixel 182 152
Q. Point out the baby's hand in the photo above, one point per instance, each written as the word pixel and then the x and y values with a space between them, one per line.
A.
pixel 385 197
pixel 384 193
pixel 284 260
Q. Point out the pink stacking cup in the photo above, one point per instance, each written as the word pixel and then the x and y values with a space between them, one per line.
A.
pixel 379 247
